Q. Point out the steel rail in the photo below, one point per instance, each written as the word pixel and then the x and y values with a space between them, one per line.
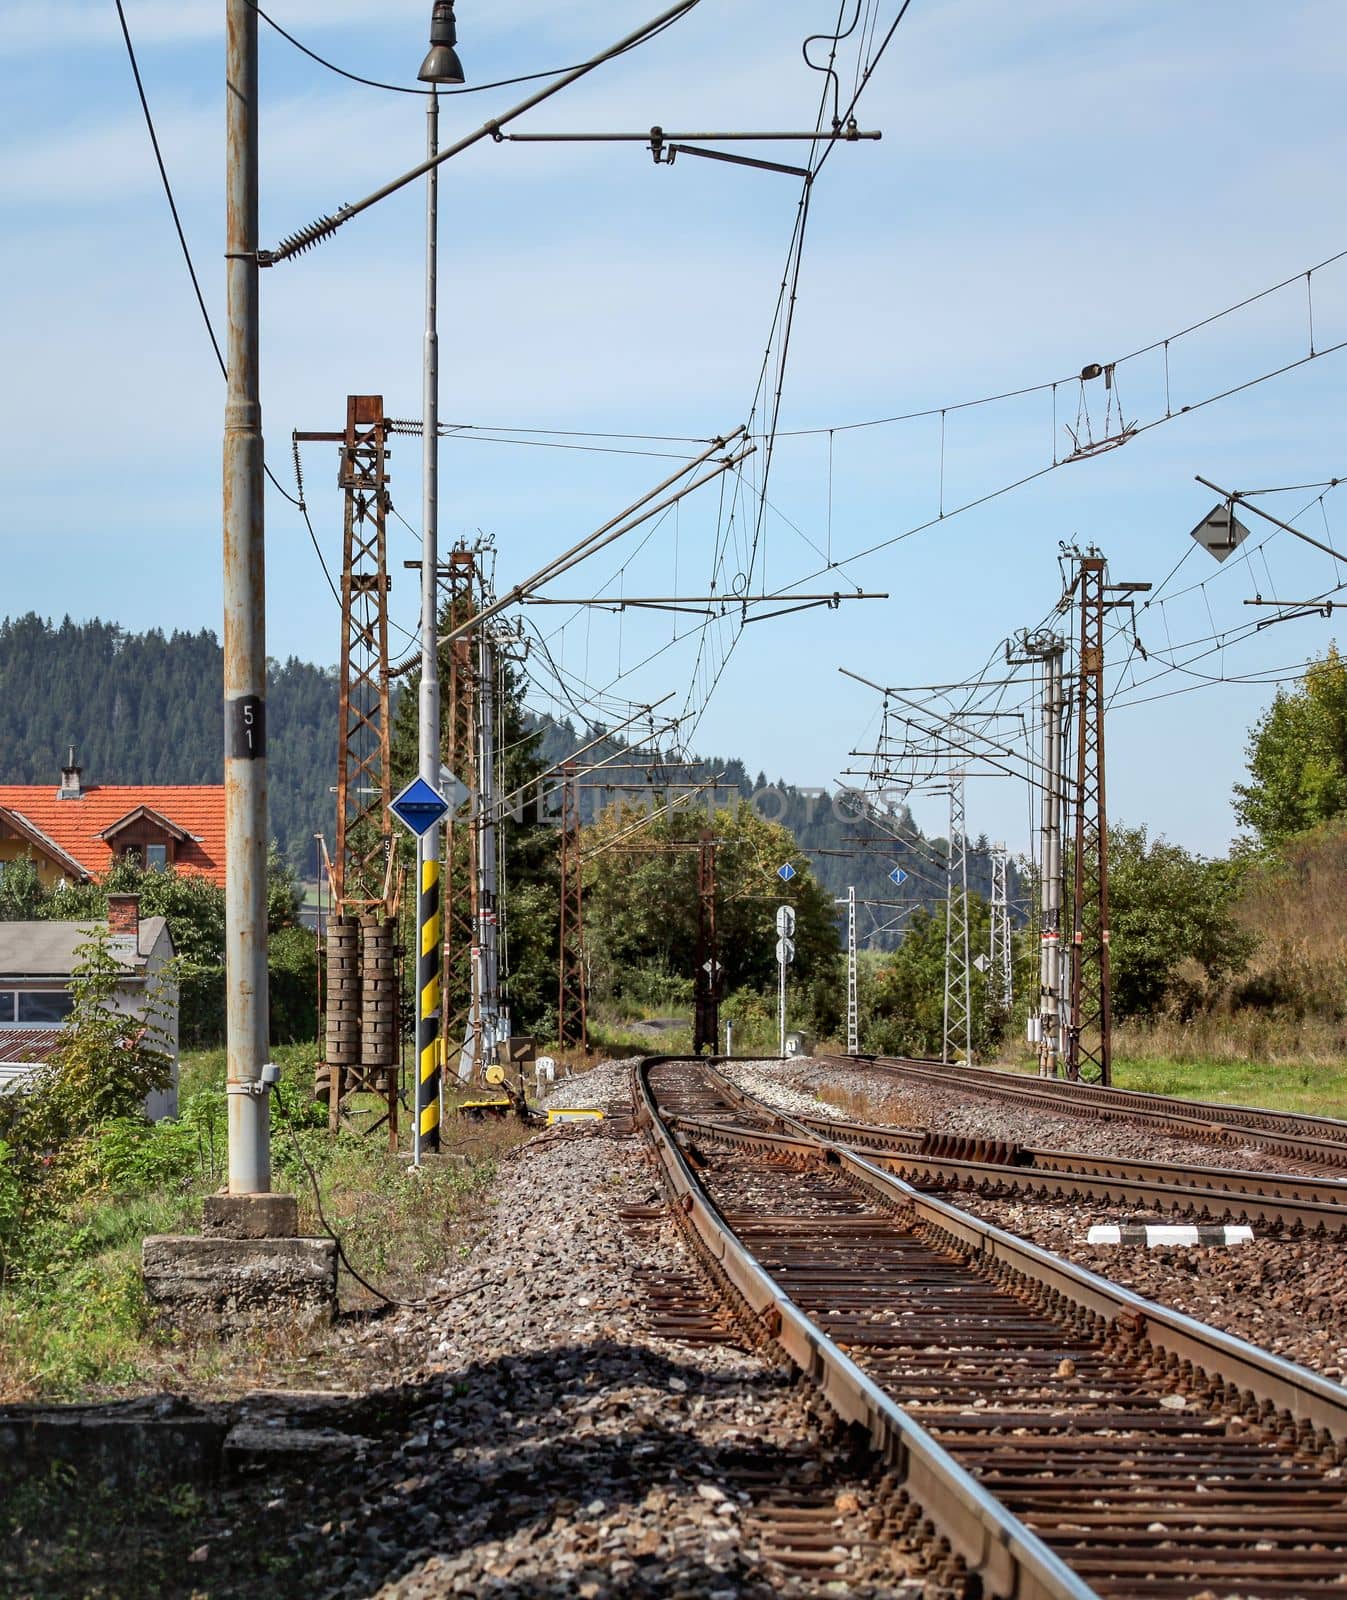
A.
pixel 1013 1561
pixel 972 1161
pixel 1064 1176
pixel 1301 1394
pixel 1295 1135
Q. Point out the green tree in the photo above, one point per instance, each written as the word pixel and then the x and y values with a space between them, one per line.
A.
pixel 902 1002
pixel 1297 756
pixel 21 893
pixel 1167 908
pixel 641 904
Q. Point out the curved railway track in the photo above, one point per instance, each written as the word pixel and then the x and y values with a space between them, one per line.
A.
pixel 1068 1438
pixel 1294 1135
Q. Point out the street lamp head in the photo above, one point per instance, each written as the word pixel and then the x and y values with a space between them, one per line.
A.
pixel 442 64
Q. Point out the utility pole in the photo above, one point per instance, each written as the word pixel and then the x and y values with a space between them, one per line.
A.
pixel 958 968
pixel 429 921
pixel 441 65
pixel 245 652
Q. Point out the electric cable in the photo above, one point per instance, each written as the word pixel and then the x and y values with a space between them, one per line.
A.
pixel 331 1232
pixel 187 254
pixel 398 88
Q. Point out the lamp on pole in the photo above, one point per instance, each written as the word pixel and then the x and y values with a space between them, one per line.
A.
pixel 441 65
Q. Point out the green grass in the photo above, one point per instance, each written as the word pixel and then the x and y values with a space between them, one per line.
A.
pixel 73 1316
pixel 1317 1088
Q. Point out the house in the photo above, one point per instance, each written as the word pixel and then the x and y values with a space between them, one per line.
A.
pixel 77 831
pixel 37 962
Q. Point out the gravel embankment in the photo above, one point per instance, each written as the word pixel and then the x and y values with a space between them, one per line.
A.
pixel 556 1447
pixel 1288 1296
pixel 861 1094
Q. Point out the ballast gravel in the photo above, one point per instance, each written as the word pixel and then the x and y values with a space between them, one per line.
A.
pixel 858 1092
pixel 1285 1295
pixel 549 1444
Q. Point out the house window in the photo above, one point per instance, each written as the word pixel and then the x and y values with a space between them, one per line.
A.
pixel 44 1005
pixel 156 857
pixel 6 1006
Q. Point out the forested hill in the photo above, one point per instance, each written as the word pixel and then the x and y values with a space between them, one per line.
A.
pixel 145 708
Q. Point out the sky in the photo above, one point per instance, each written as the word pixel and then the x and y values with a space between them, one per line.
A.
pixel 1056 185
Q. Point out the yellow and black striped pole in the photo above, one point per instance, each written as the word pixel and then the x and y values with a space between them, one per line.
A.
pixel 427 1125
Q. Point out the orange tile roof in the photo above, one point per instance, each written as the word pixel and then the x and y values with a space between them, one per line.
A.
pixel 74 825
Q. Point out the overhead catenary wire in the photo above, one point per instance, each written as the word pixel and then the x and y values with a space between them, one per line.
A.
pixel 399 88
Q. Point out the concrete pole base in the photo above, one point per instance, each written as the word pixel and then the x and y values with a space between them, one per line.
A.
pixel 248 1269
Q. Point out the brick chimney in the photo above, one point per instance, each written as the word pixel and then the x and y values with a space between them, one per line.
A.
pixel 124 918
pixel 72 788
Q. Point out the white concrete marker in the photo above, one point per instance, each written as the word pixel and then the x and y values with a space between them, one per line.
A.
pixel 1153 1234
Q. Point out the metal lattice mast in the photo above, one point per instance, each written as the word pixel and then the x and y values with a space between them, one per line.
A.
pixel 1052 887
pixel 958 1029
pixel 364 824
pixel 486 970
pixel 459 880
pixel 999 970
pixel 572 1022
pixel 1089 1035
pixel 362 1001
pixel 853 1008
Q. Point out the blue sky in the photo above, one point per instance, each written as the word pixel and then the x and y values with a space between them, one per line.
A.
pixel 1057 184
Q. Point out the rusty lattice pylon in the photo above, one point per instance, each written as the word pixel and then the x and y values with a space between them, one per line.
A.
pixel 361 1033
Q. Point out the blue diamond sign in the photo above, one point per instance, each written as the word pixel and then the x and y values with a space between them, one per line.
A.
pixel 419 807
pixel 785 872
pixel 898 877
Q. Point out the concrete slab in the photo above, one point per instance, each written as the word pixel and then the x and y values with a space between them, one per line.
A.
pixel 251 1216
pixel 215 1284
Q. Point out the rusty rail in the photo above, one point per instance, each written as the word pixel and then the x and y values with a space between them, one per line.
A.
pixel 1277 1520
pixel 995 1544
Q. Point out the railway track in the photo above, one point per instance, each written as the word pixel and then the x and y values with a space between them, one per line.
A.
pixel 1296 1136
pixel 947 1163
pixel 1067 1438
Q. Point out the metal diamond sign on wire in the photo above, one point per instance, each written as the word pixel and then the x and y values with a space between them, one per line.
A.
pixel 1220 531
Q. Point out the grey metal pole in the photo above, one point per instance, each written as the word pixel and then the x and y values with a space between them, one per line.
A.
pixel 781 1005
pixel 245 654
pixel 1050 890
pixel 428 916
